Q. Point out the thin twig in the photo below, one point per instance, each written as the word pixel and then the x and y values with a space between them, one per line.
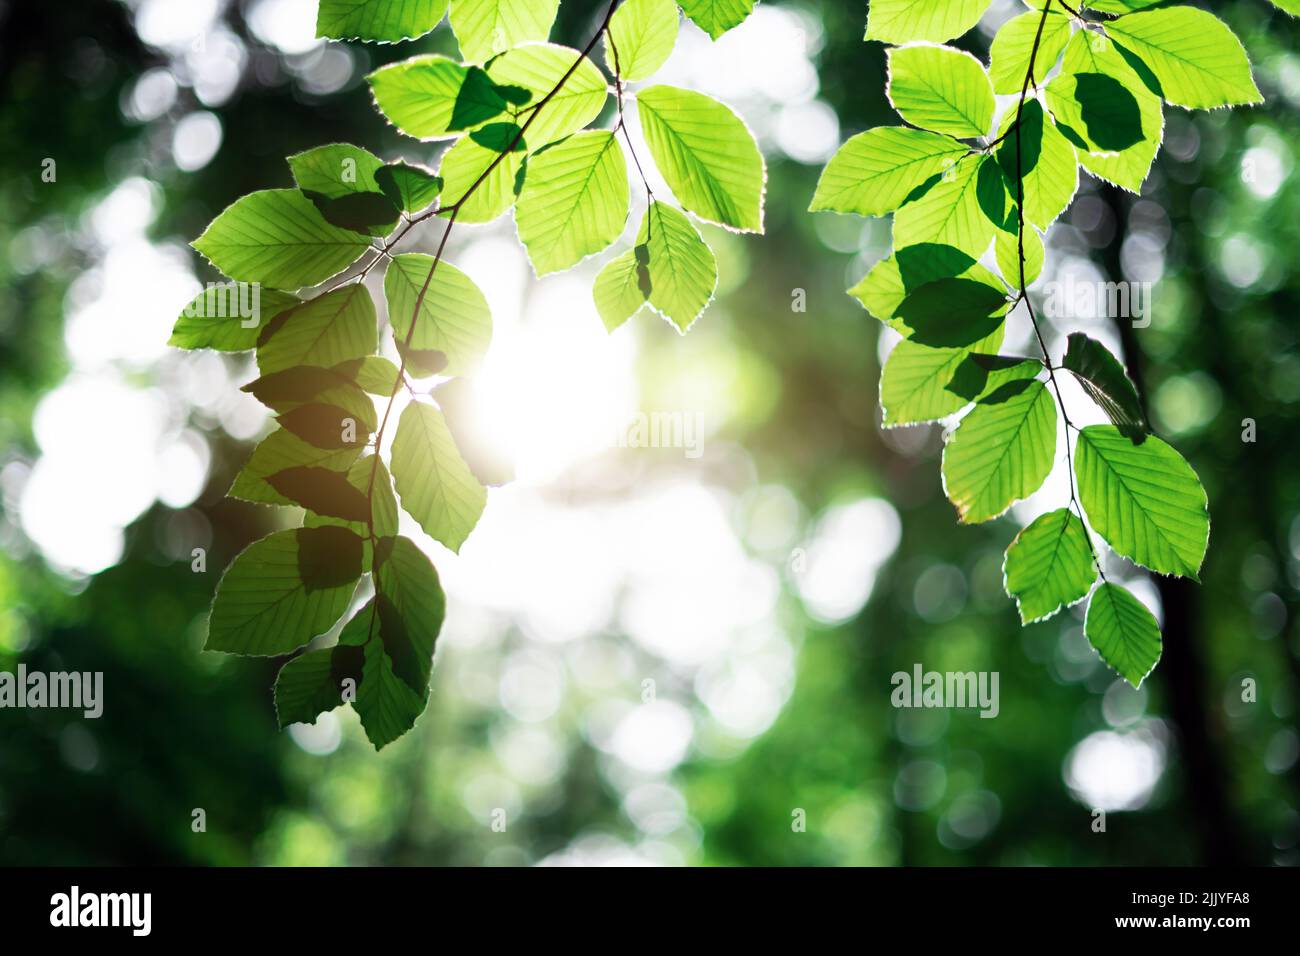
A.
pixel 1024 291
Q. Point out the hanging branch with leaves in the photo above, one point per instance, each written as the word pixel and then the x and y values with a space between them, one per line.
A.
pixel 1089 86
pixel 517 111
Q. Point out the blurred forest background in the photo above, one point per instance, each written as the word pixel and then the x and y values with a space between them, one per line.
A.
pixel 648 657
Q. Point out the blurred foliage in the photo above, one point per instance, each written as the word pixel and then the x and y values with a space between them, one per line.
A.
pixel 878 786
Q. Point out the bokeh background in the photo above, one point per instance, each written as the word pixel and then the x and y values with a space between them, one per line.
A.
pixel 648 658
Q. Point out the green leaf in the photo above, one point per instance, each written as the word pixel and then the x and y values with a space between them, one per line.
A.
pixel 706 154
pixel 303 384
pixel 433 97
pixel 1006 250
pixel 536 69
pixel 278 238
pixel 1104 379
pixel 453 316
pixel 472 164
pixel 1124 632
pixel 411 609
pixel 338 169
pixel 1001 452
pixel 368 477
pixel 574 200
pixel 324 331
pixel 409 188
pixel 621 288
pixel 680 268
pixel 284 590
pixel 216 317
pixel 643 34
pixel 1049 566
pixel 1143 499
pixel 875 172
pixel 958 211
pixel 1200 62
pixel 949 313
pixel 487 27
pixel 893 279
pixel 940 89
pixel 325 426
pixel 1046 162
pixel 1289 6
pixel 1011 48
pixel 312 683
pixel 387 707
pixel 914 384
pixel 436 486
pixel 386 21
pixel 280 450
pixel 323 491
pixel 1121 7
pixel 716 17
pixel 1102 105
pixel 374 374
pixel 901 21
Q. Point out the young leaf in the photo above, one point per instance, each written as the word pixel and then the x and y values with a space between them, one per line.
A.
pixel 312 683
pixel 716 17
pixel 1104 108
pixel 1006 250
pixel 433 97
pixel 574 200
pixel 284 590
pixel 643 33
pixel 216 318
pixel 323 491
pixel 436 486
pixel 536 69
pixel 371 480
pixel 388 708
pixel 1049 566
pixel 1124 632
pixel 1143 499
pixel 622 287
pixel 914 384
pixel 335 170
pixel 278 238
pixel 877 171
pixel 951 313
pixel 1011 48
pixel 487 27
pixel 325 426
pixel 411 609
pixel 409 188
pixel 385 21
pixel 940 89
pixel 1001 452
pixel 1200 62
pixel 901 21
pixel 374 374
pixel 680 267
pixel 324 331
pixel 472 164
pixel 280 450
pixel 706 154
pixel 893 279
pixel 958 211
pixel 1036 155
pixel 1104 379
pixel 453 316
